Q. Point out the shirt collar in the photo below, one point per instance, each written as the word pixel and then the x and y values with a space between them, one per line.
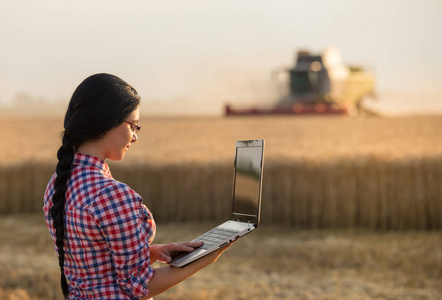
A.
pixel 91 161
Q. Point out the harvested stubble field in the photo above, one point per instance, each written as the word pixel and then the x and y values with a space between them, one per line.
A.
pixel 270 263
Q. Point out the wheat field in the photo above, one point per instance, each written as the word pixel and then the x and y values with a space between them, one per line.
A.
pixel 203 139
pixel 319 172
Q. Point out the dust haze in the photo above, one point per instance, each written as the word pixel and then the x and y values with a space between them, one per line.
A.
pixel 207 88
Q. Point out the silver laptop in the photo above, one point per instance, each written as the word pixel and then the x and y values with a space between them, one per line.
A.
pixel 246 207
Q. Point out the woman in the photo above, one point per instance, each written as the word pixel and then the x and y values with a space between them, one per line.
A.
pixel 101 230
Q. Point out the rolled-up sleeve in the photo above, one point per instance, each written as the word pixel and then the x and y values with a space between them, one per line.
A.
pixel 119 214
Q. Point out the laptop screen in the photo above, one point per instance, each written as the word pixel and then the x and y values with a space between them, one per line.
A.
pixel 247 181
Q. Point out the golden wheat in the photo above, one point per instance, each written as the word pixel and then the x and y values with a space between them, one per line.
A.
pixel 192 140
pixel 319 172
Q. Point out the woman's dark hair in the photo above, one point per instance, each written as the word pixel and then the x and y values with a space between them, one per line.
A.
pixel 101 102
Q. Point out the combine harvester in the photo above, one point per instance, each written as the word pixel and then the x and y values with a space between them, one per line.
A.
pixel 319 85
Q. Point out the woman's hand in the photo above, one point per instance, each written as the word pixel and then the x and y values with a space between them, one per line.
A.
pixel 166 277
pixel 164 252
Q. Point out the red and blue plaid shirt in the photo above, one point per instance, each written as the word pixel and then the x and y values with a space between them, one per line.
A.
pixel 107 234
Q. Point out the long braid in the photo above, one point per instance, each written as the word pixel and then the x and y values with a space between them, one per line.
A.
pixel 65 156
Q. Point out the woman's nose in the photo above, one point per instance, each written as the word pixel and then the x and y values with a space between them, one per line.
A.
pixel 134 138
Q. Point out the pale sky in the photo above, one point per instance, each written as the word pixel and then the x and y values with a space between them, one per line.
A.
pixel 209 52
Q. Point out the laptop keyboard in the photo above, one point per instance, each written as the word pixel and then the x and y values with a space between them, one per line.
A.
pixel 215 236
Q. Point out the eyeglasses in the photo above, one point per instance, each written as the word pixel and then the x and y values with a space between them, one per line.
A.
pixel 133 127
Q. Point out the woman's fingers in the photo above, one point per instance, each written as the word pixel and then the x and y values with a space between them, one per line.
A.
pixel 185 247
pixel 164 258
pixel 169 249
pixel 166 251
pixel 193 244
